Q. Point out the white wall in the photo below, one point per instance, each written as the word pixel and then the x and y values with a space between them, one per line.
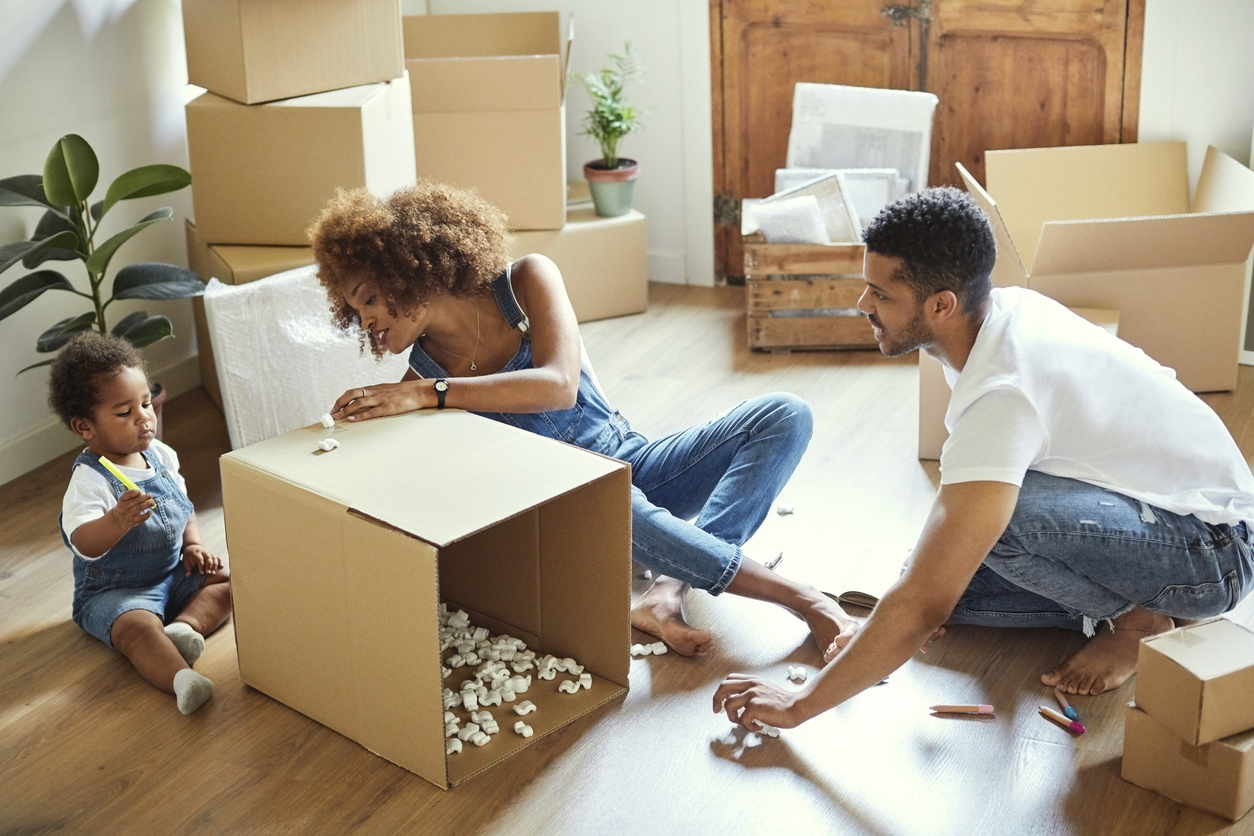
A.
pixel 114 72
pixel 676 186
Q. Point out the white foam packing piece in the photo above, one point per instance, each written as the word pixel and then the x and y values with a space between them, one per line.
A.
pixel 765 730
pixel 585 681
pixel 523 729
pixel 658 648
pixel 326 445
pixel 524 707
pixel 280 361
pixel 642 650
pixel 467 731
pixel 797 674
pixel 452 746
pixel 568 686
pixel 327 420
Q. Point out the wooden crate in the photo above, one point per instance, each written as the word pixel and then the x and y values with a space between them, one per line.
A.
pixel 828 279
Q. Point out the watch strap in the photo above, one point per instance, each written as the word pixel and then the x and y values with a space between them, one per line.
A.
pixel 440 392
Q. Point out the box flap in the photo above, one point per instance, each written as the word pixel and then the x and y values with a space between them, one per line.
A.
pixel 1225 185
pixel 1008 271
pixel 1143 243
pixel 1036 185
pixel 482 35
pixel 570 46
pixel 393 469
pixel 1208 649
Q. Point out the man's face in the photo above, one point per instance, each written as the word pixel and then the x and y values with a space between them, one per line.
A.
pixel 896 315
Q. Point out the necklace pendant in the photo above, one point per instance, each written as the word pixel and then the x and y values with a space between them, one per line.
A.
pixel 473 367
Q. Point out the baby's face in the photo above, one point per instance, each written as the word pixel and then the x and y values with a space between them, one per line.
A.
pixel 123 422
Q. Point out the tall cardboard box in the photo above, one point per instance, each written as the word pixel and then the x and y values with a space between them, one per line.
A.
pixel 1110 226
pixel 489 112
pixel 604 261
pixel 231 265
pixel 264 172
pixel 339 561
pixel 1198 680
pixel 1216 777
pixel 260 50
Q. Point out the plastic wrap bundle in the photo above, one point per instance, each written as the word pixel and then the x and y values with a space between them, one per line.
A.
pixel 281 363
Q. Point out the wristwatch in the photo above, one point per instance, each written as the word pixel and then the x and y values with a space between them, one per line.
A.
pixel 441 387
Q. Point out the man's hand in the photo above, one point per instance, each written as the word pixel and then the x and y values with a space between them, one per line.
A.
pixel 201 559
pixel 133 508
pixel 748 698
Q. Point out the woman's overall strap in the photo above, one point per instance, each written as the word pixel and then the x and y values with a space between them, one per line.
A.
pixel 508 303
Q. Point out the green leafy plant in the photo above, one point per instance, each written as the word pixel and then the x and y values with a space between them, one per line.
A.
pixel 67 232
pixel 611 118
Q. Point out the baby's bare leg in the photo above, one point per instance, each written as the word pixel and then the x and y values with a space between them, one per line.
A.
pixel 210 607
pixel 140 636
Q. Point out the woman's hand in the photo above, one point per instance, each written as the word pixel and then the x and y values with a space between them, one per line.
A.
pixel 363 402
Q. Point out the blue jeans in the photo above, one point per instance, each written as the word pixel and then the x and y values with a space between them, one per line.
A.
pixel 1075 554
pixel 723 476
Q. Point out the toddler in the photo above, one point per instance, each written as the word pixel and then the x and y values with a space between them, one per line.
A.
pixel 143 583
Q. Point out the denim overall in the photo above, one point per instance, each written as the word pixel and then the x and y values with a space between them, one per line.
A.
pixel 723 475
pixel 142 570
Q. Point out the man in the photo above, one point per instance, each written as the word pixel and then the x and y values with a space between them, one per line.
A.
pixel 1081 485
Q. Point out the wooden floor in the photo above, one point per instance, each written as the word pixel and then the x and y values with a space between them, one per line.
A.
pixel 87 747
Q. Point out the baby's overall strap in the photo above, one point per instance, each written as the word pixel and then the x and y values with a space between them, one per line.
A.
pixel 508 303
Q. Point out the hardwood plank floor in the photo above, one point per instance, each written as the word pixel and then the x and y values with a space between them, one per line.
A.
pixel 90 748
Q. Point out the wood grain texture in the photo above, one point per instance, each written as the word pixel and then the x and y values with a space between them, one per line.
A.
pixel 762 296
pixel 90 748
pixel 763 260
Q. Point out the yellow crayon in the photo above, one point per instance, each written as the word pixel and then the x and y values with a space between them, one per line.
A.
pixel 112 468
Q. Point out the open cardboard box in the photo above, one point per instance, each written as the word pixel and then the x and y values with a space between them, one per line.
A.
pixel 231 264
pixel 1198 680
pixel 489 112
pixel 261 50
pixel 1110 226
pixel 1216 777
pixel 339 560
pixel 263 173
pixel 604 261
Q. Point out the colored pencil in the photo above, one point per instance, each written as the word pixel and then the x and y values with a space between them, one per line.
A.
pixel 1054 716
pixel 1065 706
pixel 962 709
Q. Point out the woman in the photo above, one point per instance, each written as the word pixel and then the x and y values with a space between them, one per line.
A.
pixel 426 271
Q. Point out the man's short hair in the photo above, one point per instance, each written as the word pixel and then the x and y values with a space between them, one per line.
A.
pixel 944 241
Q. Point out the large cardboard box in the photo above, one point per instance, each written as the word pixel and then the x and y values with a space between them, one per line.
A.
pixel 231 265
pixel 264 172
pixel 489 111
pixel 1198 680
pixel 1110 226
pixel 340 559
pixel 261 50
pixel 604 261
pixel 1216 777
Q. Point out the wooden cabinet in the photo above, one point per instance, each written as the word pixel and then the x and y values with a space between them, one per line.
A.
pixel 1008 74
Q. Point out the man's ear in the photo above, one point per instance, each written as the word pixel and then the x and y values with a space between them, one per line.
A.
pixel 943 306
pixel 84 428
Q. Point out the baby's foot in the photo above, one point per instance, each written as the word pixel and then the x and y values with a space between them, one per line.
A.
pixel 191 689
pixel 659 611
pixel 190 644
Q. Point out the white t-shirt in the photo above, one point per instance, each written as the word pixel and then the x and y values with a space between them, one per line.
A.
pixel 90 496
pixel 1045 390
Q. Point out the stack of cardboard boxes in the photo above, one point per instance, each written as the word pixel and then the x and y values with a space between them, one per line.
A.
pixel 304 99
pixel 1190 733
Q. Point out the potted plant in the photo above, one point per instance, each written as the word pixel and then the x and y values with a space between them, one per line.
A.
pixel 67 232
pixel 612 179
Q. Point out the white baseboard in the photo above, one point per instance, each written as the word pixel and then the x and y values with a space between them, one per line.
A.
pixel 51 439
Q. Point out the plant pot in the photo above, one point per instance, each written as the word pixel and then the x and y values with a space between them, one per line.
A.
pixel 158 398
pixel 612 188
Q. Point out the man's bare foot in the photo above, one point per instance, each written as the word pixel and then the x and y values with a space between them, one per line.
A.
pixel 659 611
pixel 1109 658
pixel 830 625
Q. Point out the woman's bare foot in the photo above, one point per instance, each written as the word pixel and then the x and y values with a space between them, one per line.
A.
pixel 659 611
pixel 1109 658
pixel 830 625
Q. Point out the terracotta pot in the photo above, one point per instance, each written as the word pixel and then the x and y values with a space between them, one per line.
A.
pixel 612 188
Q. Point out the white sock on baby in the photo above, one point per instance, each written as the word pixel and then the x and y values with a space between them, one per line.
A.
pixel 190 644
pixel 191 689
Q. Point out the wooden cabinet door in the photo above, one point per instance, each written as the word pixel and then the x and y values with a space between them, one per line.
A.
pixel 1009 74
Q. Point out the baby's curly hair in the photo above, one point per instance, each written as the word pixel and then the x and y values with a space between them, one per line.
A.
pixel 83 366
pixel 944 241
pixel 421 240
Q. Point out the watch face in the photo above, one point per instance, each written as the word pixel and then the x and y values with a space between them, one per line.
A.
pixel 441 385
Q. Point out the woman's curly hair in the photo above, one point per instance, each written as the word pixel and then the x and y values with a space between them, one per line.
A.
pixel 424 239
pixel 82 368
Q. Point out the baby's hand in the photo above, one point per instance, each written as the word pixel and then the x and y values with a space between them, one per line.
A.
pixel 133 507
pixel 198 557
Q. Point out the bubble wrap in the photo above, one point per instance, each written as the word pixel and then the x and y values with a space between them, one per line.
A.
pixel 281 363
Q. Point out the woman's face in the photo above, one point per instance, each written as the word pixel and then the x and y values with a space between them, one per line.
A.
pixel 394 330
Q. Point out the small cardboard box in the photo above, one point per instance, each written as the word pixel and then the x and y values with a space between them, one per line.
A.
pixel 231 265
pixel 264 172
pixel 1198 680
pixel 489 111
pixel 339 560
pixel 1216 777
pixel 1110 226
pixel 604 261
pixel 261 50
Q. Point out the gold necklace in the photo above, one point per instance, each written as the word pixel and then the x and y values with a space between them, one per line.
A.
pixel 475 353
